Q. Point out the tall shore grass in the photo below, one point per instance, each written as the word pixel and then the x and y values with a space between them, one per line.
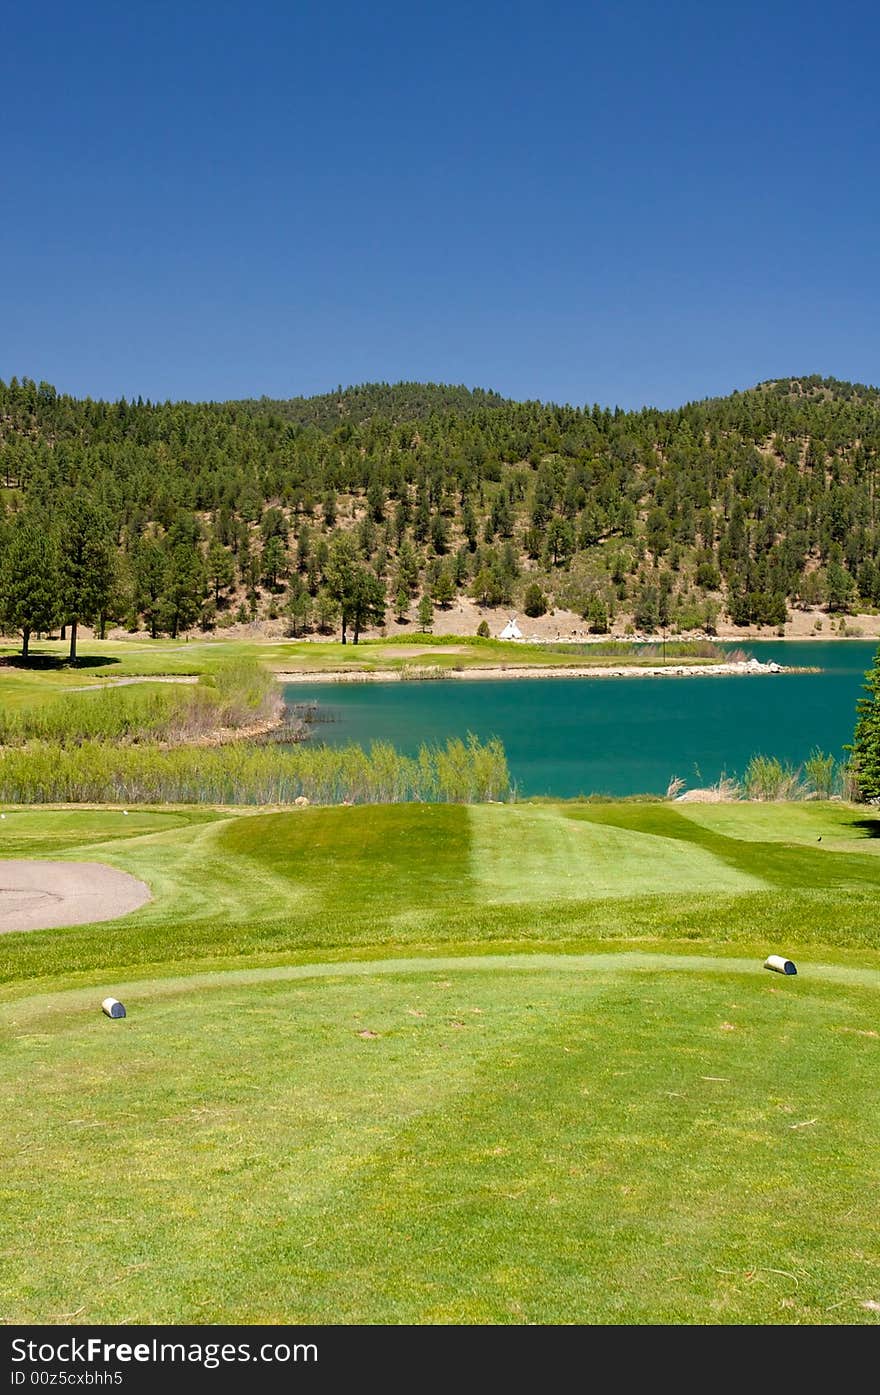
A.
pixel 820 776
pixel 423 673
pixel 768 780
pixel 127 714
pixel 238 693
pixel 461 772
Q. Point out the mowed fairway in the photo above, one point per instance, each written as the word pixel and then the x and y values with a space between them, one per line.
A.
pixel 438 1064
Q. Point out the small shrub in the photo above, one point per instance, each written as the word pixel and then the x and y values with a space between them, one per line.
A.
pixel 534 601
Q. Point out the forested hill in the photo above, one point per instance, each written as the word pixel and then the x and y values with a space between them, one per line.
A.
pixel 383 500
pixel 396 402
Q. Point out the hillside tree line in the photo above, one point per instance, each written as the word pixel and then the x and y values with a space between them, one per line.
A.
pixel 337 511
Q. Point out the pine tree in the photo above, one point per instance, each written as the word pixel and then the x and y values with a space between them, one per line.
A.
pixel 326 612
pixel 439 535
pixel 30 584
pixel 219 568
pixel 184 588
pixel 596 613
pixel 299 605
pixel 443 590
pixel 273 561
pixel 865 748
pixel 150 571
pixel 341 567
pixel 86 563
pixel 840 587
pixel 367 605
pixel 426 614
pixel 407 567
pixel 469 524
pixel 358 592
pixel 303 547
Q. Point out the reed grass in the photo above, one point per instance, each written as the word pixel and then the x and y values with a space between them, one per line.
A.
pixel 821 773
pixel 768 779
pixel 238 692
pixel 107 715
pixel 423 673
pixel 244 690
pixel 49 772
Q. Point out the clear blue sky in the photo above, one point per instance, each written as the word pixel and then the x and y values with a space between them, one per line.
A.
pixel 618 202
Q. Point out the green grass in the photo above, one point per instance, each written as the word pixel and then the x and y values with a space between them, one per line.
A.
pixel 793 823
pixel 102 661
pixel 50 832
pixel 148 710
pixel 367 878
pixel 585 1100
pixel 568 1144
pixel 245 773
pixel 115 694
pixel 515 851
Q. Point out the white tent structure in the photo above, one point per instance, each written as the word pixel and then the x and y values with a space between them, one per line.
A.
pixel 511 630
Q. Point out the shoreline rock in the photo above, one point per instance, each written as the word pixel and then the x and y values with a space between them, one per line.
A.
pixel 750 668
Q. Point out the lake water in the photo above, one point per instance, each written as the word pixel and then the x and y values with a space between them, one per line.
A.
pixel 570 736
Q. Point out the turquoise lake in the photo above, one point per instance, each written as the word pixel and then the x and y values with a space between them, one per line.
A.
pixel 571 736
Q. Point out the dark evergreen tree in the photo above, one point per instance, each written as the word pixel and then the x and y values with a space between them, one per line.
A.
pixel 534 601
pixel 426 614
pixel 865 748
pixel 443 590
pixel 219 569
pixel 150 569
pixel 86 562
pixel 274 561
pixel 30 582
pixel 181 600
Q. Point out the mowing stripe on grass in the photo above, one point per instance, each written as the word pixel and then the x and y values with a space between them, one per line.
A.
pixel 841 827
pixel 776 863
pixel 382 859
pixel 535 853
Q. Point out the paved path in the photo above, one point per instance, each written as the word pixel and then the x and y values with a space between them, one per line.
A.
pixel 127 682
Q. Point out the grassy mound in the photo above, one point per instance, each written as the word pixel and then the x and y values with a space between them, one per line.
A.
pixel 578 1097
pixel 364 879
pixel 569 1142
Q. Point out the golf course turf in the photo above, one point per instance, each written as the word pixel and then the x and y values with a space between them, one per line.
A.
pixel 499 1063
